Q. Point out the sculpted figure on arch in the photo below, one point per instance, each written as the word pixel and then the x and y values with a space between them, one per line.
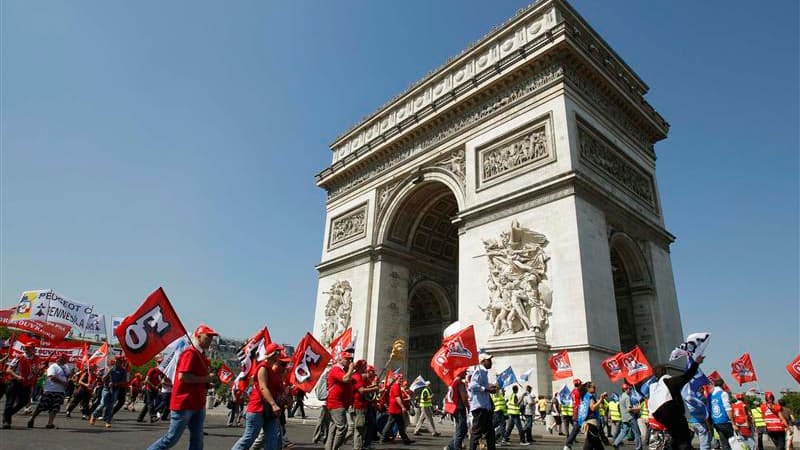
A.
pixel 337 311
pixel 519 299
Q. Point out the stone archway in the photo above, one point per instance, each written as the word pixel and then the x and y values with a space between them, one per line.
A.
pixel 420 236
pixel 635 296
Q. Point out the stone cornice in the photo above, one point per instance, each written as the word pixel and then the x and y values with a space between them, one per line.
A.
pixel 536 39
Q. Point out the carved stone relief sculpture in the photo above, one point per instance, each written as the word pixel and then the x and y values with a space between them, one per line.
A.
pixel 337 311
pixel 348 227
pixel 519 297
pixel 520 150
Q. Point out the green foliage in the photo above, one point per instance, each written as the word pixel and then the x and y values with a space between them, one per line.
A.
pixel 792 400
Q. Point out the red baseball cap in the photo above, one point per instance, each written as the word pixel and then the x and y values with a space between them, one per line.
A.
pixel 273 347
pixel 284 357
pixel 625 386
pixel 576 382
pixel 205 329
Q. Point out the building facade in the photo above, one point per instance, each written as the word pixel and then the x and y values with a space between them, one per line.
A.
pixel 513 189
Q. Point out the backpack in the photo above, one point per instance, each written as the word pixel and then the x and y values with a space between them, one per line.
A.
pixel 322 386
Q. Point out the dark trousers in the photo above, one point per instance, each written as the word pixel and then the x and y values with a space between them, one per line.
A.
pixel 678 429
pixel 150 399
pixel 460 431
pixel 121 393
pixel 567 420
pixel 593 441
pixel 17 397
pixel 573 434
pixel 725 431
pixel 401 427
pixel 80 396
pixel 513 421
pixel 778 438
pixel 298 404
pixel 481 428
pixel 369 430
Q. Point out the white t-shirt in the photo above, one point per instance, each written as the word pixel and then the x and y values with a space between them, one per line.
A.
pixel 59 373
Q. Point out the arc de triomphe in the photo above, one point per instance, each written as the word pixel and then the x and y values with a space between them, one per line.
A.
pixel 514 189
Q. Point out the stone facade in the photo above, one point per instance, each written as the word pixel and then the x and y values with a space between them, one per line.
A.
pixel 514 189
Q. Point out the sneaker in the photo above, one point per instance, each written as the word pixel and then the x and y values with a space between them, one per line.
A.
pixel 416 433
pixel 30 423
pixel 6 426
pixel 567 447
pixel 436 433
pixel 409 442
pixel 68 415
pixel 108 425
pixel 525 443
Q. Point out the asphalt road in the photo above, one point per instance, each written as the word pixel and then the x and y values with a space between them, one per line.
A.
pixel 127 434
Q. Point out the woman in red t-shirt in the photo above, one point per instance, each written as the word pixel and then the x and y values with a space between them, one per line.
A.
pixel 266 402
pixel 396 408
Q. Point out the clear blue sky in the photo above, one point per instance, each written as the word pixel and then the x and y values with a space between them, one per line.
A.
pixel 175 144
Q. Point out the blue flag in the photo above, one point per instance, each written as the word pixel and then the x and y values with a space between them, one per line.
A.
pixel 564 396
pixel 506 378
pixel 645 387
pixel 526 375
pixel 636 397
pixel 614 397
pixel 694 397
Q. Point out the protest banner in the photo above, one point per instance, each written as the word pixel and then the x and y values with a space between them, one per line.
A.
pixel 308 363
pixel 560 365
pixel 150 329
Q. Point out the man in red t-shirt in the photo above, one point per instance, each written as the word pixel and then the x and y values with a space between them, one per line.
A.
pixel 189 388
pixel 363 385
pixel 150 387
pixel 340 397
pixel 396 408
pixel 23 373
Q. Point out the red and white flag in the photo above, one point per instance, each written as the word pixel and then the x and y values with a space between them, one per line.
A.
pixel 100 357
pixel 742 369
pixel 635 367
pixel 714 376
pixel 150 329
pixel 458 350
pixel 225 374
pixel 560 365
pixel 794 368
pixel 613 369
pixel 253 351
pixel 308 363
pixel 344 341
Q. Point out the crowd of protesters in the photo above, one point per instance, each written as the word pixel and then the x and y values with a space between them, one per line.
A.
pixel 361 405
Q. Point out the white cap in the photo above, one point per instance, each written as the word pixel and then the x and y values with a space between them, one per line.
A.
pixel 482 356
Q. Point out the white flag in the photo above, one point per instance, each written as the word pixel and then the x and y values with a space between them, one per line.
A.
pixel 418 383
pixel 50 306
pixel 171 354
pixel 694 346
pixel 526 375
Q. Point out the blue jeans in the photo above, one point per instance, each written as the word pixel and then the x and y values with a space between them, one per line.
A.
pixel 703 435
pixel 107 408
pixel 178 422
pixel 254 423
pixel 623 431
pixel 460 431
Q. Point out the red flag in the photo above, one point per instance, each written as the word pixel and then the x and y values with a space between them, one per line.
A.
pixel 225 374
pixel 342 342
pixel 794 368
pixel 308 363
pixel 742 369
pixel 714 376
pixel 560 365
pixel 613 369
pixel 99 356
pixel 635 367
pixel 253 351
pixel 458 350
pixel 84 356
pixel 150 329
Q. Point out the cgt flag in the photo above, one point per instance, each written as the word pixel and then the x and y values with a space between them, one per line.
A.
pixel 742 369
pixel 150 329
pixel 506 378
pixel 635 367
pixel 560 365
pixel 254 351
pixel 308 363
pixel 99 357
pixel 458 350
pixel 714 376
pixel 794 368
pixel 344 341
pixel 225 374
pixel 613 369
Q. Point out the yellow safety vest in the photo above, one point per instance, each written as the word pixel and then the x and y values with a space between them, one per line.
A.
pixel 513 405
pixel 643 411
pixel 499 402
pixel 758 417
pixel 613 411
pixel 425 399
pixel 566 410
pixel 603 408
